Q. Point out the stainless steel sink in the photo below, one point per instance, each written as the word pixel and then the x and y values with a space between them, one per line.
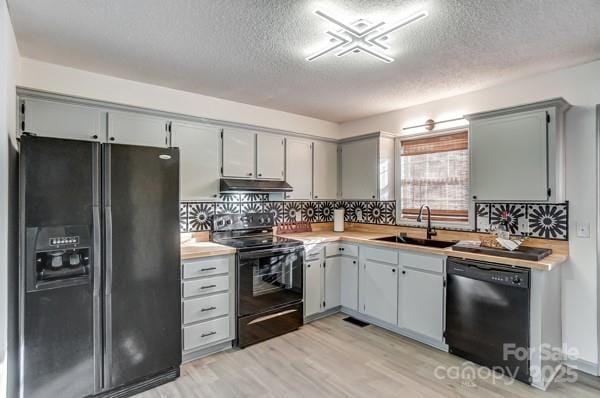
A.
pixel 441 244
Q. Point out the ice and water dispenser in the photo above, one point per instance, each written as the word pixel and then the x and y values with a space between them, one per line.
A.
pixel 60 256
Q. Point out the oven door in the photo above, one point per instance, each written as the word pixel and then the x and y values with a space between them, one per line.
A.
pixel 269 278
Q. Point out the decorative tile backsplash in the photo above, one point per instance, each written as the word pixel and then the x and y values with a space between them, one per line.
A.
pixel 540 220
pixel 198 216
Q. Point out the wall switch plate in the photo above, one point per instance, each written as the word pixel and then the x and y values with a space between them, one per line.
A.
pixel 583 229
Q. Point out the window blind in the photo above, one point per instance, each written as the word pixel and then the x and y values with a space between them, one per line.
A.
pixel 435 171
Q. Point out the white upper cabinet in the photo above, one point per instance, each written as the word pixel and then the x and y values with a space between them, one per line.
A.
pixel 509 157
pixel 137 129
pixel 367 167
pixel 325 170
pixel 298 168
pixel 517 154
pixel 199 149
pixel 62 120
pixel 239 153
pixel 270 156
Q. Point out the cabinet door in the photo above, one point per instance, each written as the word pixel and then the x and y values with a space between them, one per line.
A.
pixel 325 170
pixel 239 153
pixel 137 129
pixel 332 282
pixel 199 160
pixel 421 303
pixel 509 157
pixel 60 120
pixel 270 155
pixel 313 288
pixel 349 282
pixel 298 168
pixel 360 169
pixel 379 291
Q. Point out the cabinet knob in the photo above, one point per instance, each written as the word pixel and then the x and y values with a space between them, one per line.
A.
pixel 373 196
pixel 215 195
pixel 475 197
pixel 316 197
pixel 353 262
pixel 307 265
pixel 95 136
pixel 393 269
pixel 260 174
pixel 112 138
pixel 403 272
pixel 249 174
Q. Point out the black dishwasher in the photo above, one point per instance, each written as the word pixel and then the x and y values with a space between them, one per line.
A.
pixel 487 307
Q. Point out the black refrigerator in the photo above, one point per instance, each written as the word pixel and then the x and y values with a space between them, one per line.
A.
pixel 99 268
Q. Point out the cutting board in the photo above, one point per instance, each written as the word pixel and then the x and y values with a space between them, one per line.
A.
pixel 522 253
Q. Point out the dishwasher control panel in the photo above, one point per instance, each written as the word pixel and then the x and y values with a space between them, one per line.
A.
pixel 490 272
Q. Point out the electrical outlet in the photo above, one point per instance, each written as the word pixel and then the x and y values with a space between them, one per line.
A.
pixel 524 226
pixel 583 229
pixel 298 216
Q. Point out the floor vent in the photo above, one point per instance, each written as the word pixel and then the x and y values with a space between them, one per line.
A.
pixel 356 322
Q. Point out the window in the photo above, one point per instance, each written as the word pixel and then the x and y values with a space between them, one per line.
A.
pixel 435 171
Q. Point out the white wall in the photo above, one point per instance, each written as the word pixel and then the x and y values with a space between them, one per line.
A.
pixel 9 60
pixel 75 82
pixel 580 86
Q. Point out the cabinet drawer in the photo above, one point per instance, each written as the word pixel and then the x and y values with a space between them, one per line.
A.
pixel 205 307
pixel 205 286
pixel 381 255
pixel 336 249
pixel 205 267
pixel 205 333
pixel 422 261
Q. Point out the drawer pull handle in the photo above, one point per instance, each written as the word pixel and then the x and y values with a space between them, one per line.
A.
pixel 208 269
pixel 208 286
pixel 267 317
pixel 208 309
pixel 207 334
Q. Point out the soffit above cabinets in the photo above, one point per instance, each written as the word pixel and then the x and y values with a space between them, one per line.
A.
pixel 255 52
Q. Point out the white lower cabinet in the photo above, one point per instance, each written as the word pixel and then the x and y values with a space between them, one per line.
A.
pixel 349 282
pixel 379 291
pixel 332 283
pixel 421 303
pixel 312 287
pixel 207 304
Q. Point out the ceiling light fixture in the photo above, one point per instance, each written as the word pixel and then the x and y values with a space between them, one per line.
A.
pixel 361 36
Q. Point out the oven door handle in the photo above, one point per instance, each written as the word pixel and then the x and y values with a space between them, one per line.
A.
pixel 271 252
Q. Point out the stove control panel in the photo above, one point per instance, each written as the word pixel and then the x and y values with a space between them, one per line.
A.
pixel 228 222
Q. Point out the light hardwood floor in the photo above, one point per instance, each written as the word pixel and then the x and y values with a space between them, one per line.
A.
pixel 333 358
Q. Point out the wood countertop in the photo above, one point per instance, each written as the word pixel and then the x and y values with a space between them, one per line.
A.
pixel 366 237
pixel 204 249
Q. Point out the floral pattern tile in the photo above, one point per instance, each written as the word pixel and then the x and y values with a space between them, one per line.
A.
pixel 482 217
pixel 548 221
pixel 291 210
pixel 200 216
pixel 252 208
pixel 276 210
pixel 183 217
pixel 229 197
pixel 356 211
pixel 325 211
pixel 375 213
pixel 228 208
pixel 515 215
pixel 310 211
pixel 254 197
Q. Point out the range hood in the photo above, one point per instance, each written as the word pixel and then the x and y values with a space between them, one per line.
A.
pixel 246 185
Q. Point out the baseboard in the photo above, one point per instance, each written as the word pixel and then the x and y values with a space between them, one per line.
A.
pixel 583 366
pixel 323 314
pixel 204 352
pixel 393 328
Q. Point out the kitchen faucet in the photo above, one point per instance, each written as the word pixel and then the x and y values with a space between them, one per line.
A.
pixel 430 231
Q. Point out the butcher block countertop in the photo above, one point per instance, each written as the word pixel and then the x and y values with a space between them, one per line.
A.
pixel 204 249
pixel 366 237
pixel 366 234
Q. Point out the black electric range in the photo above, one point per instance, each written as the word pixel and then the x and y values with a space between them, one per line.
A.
pixel 269 276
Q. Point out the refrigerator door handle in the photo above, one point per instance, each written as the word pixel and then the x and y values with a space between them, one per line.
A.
pixel 97 239
pixel 108 250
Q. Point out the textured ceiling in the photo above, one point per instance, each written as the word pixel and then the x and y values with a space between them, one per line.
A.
pixel 253 51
